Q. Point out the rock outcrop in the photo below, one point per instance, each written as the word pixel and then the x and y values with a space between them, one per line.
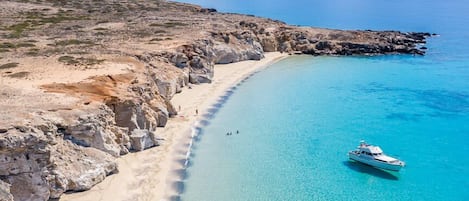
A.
pixel 39 164
pixel 5 194
pixel 66 135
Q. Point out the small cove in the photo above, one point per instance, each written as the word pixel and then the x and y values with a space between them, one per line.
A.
pixel 299 117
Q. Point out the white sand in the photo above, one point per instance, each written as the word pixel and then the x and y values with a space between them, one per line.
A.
pixel 156 173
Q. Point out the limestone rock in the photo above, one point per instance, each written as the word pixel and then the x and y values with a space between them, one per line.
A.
pixel 91 134
pixel 29 186
pixel 5 194
pixel 226 54
pixel 269 44
pixel 143 139
pixel 78 168
pixel 180 60
pixel 39 164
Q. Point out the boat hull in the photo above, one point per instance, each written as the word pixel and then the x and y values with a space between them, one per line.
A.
pixel 374 163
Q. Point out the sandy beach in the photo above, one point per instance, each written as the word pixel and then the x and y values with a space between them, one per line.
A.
pixel 158 173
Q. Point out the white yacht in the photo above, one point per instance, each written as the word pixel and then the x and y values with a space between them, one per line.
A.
pixel 374 156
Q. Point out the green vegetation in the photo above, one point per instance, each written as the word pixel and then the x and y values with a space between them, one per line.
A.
pixel 90 61
pixel 9 65
pixel 102 22
pixel 160 39
pixel 73 42
pixel 100 29
pixel 18 29
pixel 19 74
pixel 69 60
pixel 60 18
pixel 159 31
pixel 168 24
pixel 7 45
pixel 32 52
pixel 156 39
pixel 35 19
pixel 25 45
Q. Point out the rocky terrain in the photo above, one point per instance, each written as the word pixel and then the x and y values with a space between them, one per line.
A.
pixel 84 82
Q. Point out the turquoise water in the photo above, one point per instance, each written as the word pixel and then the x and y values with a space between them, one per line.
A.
pixel 299 117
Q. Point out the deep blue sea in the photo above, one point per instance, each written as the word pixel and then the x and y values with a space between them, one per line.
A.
pixel 298 118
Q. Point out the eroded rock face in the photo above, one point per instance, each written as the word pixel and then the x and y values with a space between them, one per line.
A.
pixel 39 164
pixel 98 131
pixel 78 168
pixel 5 194
pixel 29 186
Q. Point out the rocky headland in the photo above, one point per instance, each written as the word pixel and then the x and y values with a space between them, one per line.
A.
pixel 85 82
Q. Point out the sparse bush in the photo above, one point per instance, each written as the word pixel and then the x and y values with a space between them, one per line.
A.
pixel 72 42
pixel 19 74
pixel 32 52
pixel 156 39
pixel 18 29
pixel 25 45
pixel 69 60
pixel 100 29
pixel 9 65
pixel 102 22
pixel 90 61
pixel 7 45
pixel 168 24
pixel 159 31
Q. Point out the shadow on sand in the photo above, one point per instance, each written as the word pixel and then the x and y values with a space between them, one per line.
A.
pixel 363 168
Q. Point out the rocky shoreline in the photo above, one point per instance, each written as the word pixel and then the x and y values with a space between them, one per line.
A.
pixel 58 136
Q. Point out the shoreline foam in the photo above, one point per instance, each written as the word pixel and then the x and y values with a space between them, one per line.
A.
pixel 158 173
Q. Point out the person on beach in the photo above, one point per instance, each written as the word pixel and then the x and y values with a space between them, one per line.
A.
pixel 196 112
pixel 179 108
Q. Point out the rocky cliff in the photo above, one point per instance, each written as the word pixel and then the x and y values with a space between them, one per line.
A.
pixel 84 82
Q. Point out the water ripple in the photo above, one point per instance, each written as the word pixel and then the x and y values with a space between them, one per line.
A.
pixel 441 102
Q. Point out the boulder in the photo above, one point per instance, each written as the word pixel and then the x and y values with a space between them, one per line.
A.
pixel 198 78
pixel 142 139
pixel 225 54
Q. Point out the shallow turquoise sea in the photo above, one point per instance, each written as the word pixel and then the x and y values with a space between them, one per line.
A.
pixel 298 118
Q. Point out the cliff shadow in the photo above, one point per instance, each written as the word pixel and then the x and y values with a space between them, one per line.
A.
pixel 178 186
pixel 214 108
pixel 363 168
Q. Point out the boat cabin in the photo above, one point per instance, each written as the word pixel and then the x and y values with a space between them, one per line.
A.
pixel 370 150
